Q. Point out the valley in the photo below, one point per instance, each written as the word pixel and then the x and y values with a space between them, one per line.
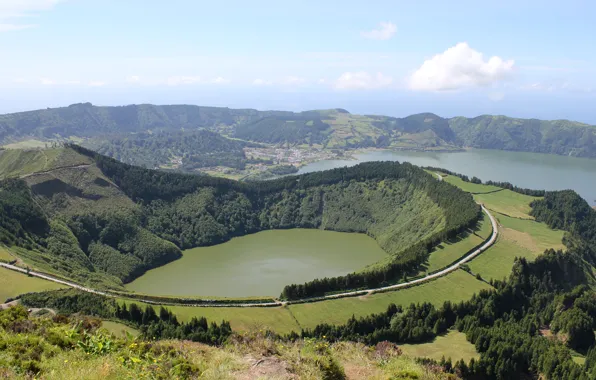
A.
pixel 286 254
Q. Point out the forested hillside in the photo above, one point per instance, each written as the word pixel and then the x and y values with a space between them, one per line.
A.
pixel 192 149
pixel 86 120
pixel 527 135
pixel 108 222
pixel 326 129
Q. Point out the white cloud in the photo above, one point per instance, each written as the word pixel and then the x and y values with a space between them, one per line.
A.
pixel 181 80
pixel 133 79
pixel 13 10
pixel 96 84
pixel 384 31
pixel 261 82
pixel 220 80
pixel 362 81
pixel 459 67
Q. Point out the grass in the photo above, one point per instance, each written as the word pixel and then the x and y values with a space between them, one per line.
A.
pixel 497 261
pixel 5 255
pixel 15 163
pixel 457 286
pixel 469 186
pixel 27 144
pixel 494 198
pixel 517 238
pixel 448 252
pixel 277 319
pixel 246 356
pixel 13 284
pixel 453 344
pixel 532 235
pixel 507 202
pixel 119 329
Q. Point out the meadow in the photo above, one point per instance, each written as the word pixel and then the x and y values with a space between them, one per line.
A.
pixel 13 284
pixel 451 345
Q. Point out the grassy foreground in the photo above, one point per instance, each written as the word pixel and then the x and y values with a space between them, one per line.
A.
pixel 71 348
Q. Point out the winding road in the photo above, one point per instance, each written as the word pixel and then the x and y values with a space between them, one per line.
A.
pixel 407 284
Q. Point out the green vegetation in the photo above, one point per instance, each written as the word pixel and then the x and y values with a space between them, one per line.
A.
pixel 5 255
pixel 20 163
pixel 276 319
pixel 563 137
pixel 119 329
pixel 453 344
pixel 449 251
pixel 470 187
pixel 82 348
pixel 518 238
pixel 496 262
pixel 13 284
pixel 507 202
pixel 457 286
pixel 183 150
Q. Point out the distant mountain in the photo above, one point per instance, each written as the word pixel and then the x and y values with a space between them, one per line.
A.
pixel 562 137
pixel 333 128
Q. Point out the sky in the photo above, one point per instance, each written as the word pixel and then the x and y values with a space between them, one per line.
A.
pixel 523 58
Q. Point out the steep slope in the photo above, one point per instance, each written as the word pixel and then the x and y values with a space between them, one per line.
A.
pixel 184 150
pixel 109 222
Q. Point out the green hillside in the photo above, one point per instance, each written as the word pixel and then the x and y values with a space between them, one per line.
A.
pixel 170 136
pixel 105 222
pixel 562 137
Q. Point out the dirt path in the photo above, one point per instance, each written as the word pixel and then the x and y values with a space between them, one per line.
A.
pixel 52 170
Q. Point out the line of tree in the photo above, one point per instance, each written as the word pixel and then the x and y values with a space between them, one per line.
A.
pixel 153 325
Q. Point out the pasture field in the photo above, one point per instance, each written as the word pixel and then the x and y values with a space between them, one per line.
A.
pixel 517 238
pixel 507 202
pixel 532 235
pixel 277 319
pixel 452 345
pixel 457 286
pixel 118 329
pixel 448 252
pixel 497 261
pixel 469 186
pixel 13 284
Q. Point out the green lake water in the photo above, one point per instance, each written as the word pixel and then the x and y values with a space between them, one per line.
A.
pixel 529 170
pixel 261 264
